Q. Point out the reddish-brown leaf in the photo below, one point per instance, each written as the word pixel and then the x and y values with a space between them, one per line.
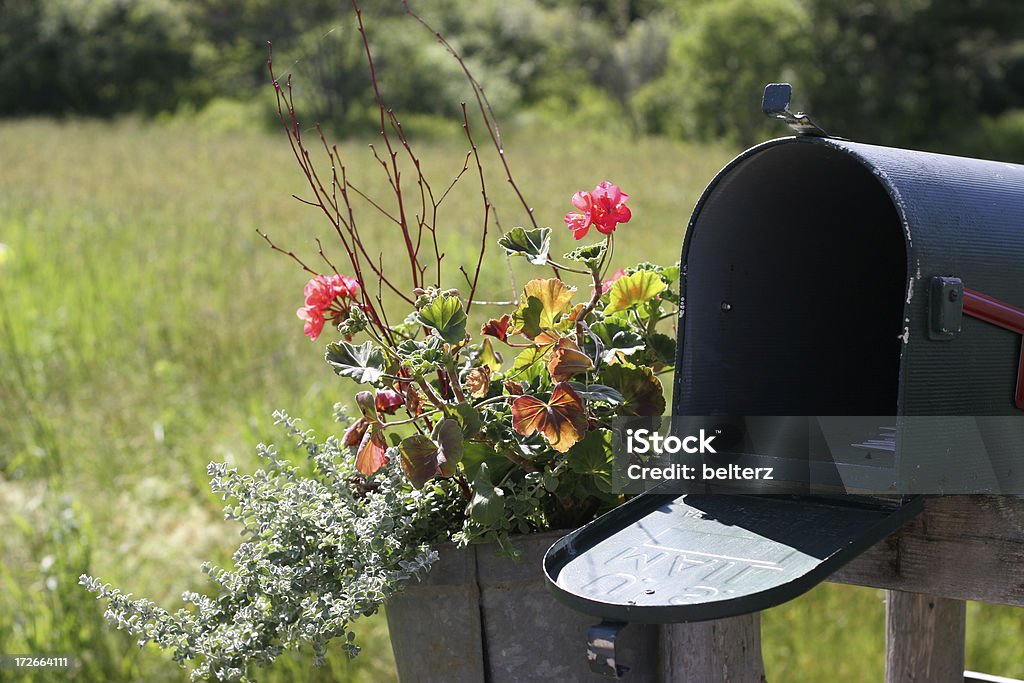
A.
pixel 478 381
pixel 388 401
pixel 419 459
pixel 372 452
pixel 567 361
pixel 413 401
pixel 367 405
pixel 512 387
pixel 354 434
pixel 561 420
pixel 497 328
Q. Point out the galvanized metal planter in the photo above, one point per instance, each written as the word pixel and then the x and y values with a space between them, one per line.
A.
pixel 478 616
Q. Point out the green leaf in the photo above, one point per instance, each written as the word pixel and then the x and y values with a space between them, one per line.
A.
pixel 425 356
pixel 526 319
pixel 670 274
pixel 448 437
pixel 533 244
pixel 543 303
pixel 419 459
pixel 631 290
pixel 446 316
pixel 663 347
pixel 616 337
pixel 474 453
pixel 468 419
pixel 488 506
pixel 597 392
pixel 640 389
pixel 592 456
pixel 364 363
pixel 590 255
pixel 489 357
pixel 530 365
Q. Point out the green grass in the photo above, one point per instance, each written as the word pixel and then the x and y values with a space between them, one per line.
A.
pixel 145 329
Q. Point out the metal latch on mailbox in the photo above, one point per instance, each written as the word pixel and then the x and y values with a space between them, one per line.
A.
pixel 950 300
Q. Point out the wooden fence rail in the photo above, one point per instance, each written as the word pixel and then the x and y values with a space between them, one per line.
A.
pixel 959 548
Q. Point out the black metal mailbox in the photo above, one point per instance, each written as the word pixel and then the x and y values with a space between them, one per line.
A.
pixel 824 277
pixel 828 277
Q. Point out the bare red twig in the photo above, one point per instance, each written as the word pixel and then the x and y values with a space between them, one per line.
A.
pixel 487 208
pixel 413 209
pixel 285 252
pixel 395 174
pixel 484 106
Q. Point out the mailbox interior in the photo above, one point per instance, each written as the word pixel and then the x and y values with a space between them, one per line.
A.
pixel 794 295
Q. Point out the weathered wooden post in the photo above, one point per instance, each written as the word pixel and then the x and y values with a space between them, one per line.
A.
pixel 924 638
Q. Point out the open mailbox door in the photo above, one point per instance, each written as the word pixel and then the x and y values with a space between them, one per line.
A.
pixel 666 558
pixel 822 277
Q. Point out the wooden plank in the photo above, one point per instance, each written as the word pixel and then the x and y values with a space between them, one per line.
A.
pixel 962 547
pixel 721 651
pixel 924 638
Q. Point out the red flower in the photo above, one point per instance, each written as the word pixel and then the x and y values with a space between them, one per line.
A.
pixel 328 297
pixel 318 292
pixel 609 207
pixel 344 286
pixel 388 401
pixel 604 208
pixel 580 222
pixel 314 318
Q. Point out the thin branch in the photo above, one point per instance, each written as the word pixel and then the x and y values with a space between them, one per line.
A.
pixel 285 252
pixel 374 204
pixel 487 208
pixel 396 174
pixel 484 105
pixel 320 248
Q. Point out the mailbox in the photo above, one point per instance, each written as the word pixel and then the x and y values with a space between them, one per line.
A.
pixel 824 277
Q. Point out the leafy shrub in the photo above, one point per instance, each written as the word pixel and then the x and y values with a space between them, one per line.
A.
pixel 92 56
pixel 718 66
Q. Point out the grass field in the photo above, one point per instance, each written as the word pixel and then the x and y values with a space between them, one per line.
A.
pixel 145 329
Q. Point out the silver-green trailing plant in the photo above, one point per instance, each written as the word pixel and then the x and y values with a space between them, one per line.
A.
pixel 320 550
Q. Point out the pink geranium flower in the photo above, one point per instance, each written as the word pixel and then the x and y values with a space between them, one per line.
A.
pixel 314 319
pixel 580 222
pixel 604 208
pixel 328 297
pixel 609 207
pixel 343 286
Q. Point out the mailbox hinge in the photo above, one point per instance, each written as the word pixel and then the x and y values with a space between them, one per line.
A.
pixel 950 300
pixel 601 649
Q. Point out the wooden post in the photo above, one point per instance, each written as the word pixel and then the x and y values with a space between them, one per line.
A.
pixel 924 638
pixel 722 651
